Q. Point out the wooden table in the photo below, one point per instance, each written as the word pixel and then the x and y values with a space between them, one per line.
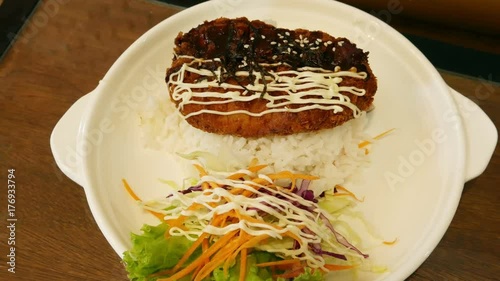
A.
pixel 60 56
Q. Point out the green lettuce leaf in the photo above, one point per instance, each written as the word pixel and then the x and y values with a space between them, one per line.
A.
pixel 152 252
pixel 309 275
pixel 254 273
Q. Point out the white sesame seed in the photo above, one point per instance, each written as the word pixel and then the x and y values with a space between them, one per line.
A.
pixel 319 40
pixel 289 50
pixel 285 41
pixel 273 43
pixel 252 38
pixel 287 33
pixel 263 36
pixel 302 45
pixel 329 42
pixel 306 40
pixel 314 48
pixel 333 49
pixel 325 44
pixel 246 46
pixel 300 36
pixel 275 57
pixel 340 43
pixel 297 40
pixel 301 55
pixel 294 52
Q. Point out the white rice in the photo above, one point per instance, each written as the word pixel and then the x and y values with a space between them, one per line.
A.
pixel 331 154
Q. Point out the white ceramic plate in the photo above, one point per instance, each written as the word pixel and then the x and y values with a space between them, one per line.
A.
pixel 413 185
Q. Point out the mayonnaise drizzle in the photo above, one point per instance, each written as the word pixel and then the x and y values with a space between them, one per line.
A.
pixel 290 213
pixel 309 87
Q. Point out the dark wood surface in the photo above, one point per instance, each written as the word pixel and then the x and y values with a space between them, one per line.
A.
pixel 62 53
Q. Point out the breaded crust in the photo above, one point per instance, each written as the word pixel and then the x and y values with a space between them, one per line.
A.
pixel 238 42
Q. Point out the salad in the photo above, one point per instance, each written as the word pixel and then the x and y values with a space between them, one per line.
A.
pixel 246 225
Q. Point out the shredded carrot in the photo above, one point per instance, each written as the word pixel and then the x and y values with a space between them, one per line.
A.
pixel 199 269
pixel 136 198
pixel 219 220
pixel 205 185
pixel 204 247
pixel 290 274
pixel 195 206
pixel 262 181
pixel 253 162
pixel 236 191
pixel 196 244
pixel 290 175
pixel 259 181
pixel 130 191
pixel 192 266
pixel 391 242
pixel 254 220
pixel 243 264
pixel 256 168
pixel 178 222
pixel 248 193
pixel 366 142
pixel 158 215
pixel 218 259
pixel 254 241
pixel 253 169
pixel 347 193
pixel 336 267
pixel 189 252
pixel 201 170
pixel 213 184
pixel 243 237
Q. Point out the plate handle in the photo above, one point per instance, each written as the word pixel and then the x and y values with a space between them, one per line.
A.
pixel 481 135
pixel 64 138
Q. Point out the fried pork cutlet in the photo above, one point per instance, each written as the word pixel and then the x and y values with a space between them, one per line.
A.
pixel 251 79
